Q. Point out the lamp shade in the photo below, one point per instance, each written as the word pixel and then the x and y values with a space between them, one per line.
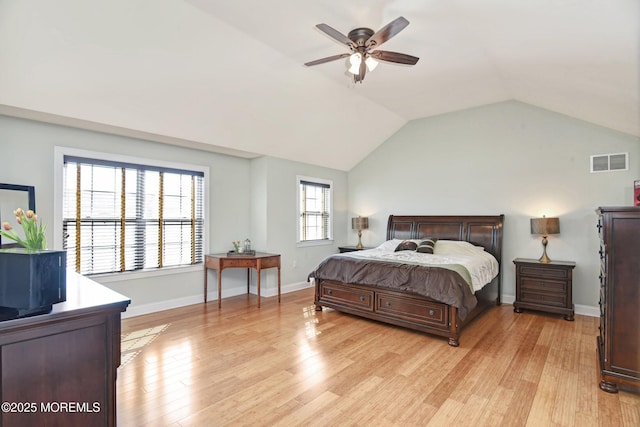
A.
pixel 545 226
pixel 360 223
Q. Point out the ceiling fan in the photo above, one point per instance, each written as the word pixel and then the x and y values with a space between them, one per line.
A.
pixel 361 42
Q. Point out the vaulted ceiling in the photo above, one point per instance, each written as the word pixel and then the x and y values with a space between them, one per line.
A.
pixel 228 76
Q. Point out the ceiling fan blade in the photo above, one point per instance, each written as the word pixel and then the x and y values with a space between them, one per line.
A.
pixel 386 32
pixel 327 59
pixel 398 58
pixel 336 35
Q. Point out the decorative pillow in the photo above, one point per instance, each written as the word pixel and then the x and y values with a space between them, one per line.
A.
pixel 406 245
pixel 427 246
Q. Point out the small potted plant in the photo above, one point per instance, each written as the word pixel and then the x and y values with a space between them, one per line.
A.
pixel 34 237
pixel 32 278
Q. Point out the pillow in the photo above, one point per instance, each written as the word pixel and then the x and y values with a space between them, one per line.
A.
pixel 389 245
pixel 455 247
pixel 406 245
pixel 427 246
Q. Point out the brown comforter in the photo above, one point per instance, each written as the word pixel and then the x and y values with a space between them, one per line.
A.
pixel 438 283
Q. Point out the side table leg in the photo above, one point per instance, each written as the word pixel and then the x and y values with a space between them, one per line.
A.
pixel 220 288
pixel 258 274
pixel 205 285
pixel 278 284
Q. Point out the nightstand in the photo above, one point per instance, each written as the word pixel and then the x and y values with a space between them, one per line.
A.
pixel 544 286
pixel 344 249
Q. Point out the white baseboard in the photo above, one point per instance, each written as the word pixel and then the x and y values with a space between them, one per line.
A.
pixel 584 310
pixel 139 310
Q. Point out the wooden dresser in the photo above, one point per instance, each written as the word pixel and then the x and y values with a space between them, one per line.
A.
pixel 619 336
pixel 59 369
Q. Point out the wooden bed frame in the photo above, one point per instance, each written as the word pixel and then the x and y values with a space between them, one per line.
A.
pixel 411 310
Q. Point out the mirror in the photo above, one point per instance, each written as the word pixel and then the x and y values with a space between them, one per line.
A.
pixel 12 197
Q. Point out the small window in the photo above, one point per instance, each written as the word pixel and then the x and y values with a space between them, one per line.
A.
pixel 314 210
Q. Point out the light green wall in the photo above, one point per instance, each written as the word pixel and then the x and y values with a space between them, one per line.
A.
pixel 247 198
pixel 275 221
pixel 508 158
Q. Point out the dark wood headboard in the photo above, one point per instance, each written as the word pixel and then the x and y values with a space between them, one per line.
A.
pixel 485 231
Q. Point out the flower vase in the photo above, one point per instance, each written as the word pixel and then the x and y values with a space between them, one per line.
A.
pixel 31 281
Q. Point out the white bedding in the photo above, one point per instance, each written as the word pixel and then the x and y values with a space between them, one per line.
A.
pixel 482 266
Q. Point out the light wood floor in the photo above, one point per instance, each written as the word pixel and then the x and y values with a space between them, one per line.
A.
pixel 290 365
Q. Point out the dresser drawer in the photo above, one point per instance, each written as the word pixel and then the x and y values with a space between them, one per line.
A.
pixel 411 309
pixel 361 299
pixel 551 273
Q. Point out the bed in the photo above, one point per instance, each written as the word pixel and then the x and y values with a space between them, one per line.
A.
pixel 348 284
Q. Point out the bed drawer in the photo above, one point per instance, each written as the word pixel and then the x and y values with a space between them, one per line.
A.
pixel 349 297
pixel 412 309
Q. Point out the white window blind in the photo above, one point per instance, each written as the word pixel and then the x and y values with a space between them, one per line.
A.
pixel 314 209
pixel 121 217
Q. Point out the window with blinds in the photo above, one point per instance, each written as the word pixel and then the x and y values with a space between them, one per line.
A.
pixel 314 210
pixel 121 217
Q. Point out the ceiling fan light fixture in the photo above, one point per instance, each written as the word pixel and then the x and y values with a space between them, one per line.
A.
pixel 371 63
pixel 355 60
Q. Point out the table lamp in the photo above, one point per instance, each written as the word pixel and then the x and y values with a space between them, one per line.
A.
pixel 360 223
pixel 545 226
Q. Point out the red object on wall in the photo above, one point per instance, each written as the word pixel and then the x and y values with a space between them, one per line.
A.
pixel 636 193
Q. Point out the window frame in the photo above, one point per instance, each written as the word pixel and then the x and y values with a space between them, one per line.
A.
pixel 59 155
pixel 318 242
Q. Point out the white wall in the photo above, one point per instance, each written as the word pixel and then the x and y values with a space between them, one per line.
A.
pixel 508 158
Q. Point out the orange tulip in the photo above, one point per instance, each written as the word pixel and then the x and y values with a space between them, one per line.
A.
pixel 6 226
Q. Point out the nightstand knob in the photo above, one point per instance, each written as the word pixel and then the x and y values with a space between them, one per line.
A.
pixel 362 298
pixel 330 292
pixel 431 312
pixel 388 303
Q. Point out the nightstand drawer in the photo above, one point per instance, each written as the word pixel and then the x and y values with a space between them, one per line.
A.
pixel 559 300
pixel 544 286
pixel 551 273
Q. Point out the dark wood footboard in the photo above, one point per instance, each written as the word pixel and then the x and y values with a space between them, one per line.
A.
pixel 415 311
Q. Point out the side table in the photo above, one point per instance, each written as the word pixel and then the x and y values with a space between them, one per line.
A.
pixel 258 262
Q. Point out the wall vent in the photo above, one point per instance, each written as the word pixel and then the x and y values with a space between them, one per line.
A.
pixel 610 162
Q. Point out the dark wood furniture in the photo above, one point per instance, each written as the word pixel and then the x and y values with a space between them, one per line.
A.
pixel 544 286
pixel 60 368
pixel 344 249
pixel 258 261
pixel 414 311
pixel 619 337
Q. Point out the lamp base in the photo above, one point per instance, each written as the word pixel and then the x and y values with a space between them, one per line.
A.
pixel 359 245
pixel 544 258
